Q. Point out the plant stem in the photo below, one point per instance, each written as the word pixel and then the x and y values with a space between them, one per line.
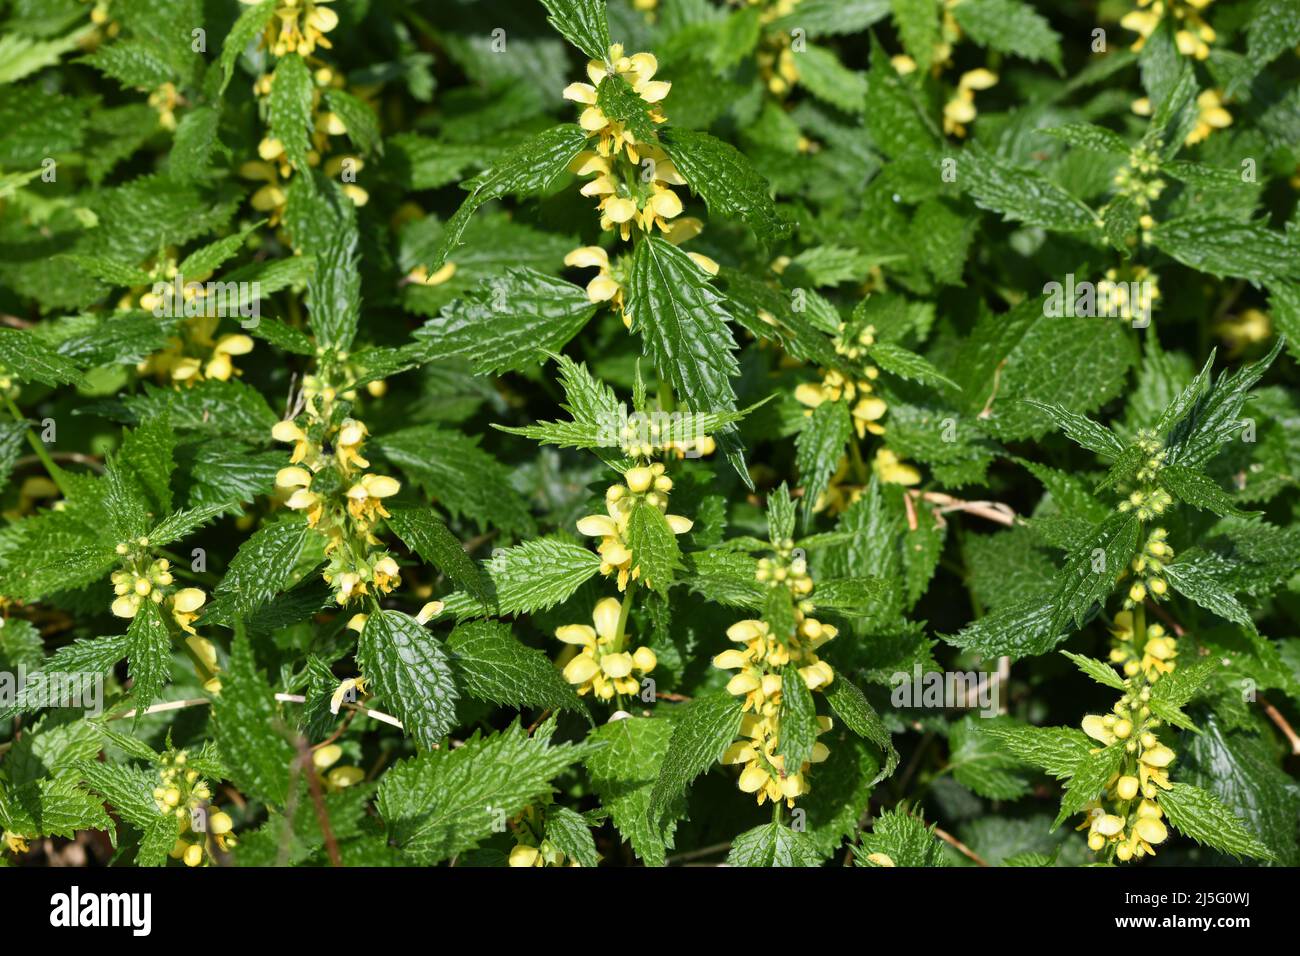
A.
pixel 53 470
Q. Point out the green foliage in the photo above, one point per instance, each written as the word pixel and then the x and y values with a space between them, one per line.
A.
pixel 769 433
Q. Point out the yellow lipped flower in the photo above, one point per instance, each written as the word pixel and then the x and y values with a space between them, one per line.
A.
pixel 1193 35
pixel 638 72
pixel 1211 115
pixel 301 26
pixel 603 666
pixel 645 483
pixel 960 109
pixel 365 498
pixel 891 469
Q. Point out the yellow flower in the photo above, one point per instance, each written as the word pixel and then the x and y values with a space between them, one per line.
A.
pixel 288 431
pixel 892 470
pixel 365 498
pixel 420 275
pixel 15 842
pixel 185 606
pixel 1211 115
pixel 960 109
pixel 602 665
pixel 620 502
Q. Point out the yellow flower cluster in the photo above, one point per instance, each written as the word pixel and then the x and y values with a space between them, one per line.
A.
pixel 1117 283
pixel 960 109
pixel 867 409
pixel 643 437
pixel 299 26
pixel 326 479
pixel 758 679
pixel 183 793
pixel 1211 114
pixel 1193 35
pixel 1147 568
pixel 603 667
pixel 1156 656
pixel 758 664
pixel 1133 825
pixel 644 483
pixel 1247 328
pixel 775 55
pixel 1147 503
pixel 638 72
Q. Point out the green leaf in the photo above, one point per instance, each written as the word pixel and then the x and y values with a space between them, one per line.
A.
pixel 917 22
pixel 1090 574
pixel 726 180
pixel 1021 629
pixel 700 735
pixel 334 290
pixel 260 570
pixel 798 719
pixel 1195 575
pixel 1010 26
pixel 1195 813
pixel 1089 779
pixel 1223 248
pixel 582 23
pixel 906 364
pixel 410 670
pixel 980 764
pixel 22 56
pixel 528 168
pixel 1199 490
pixel 423 532
pixel 509 323
pixel 290 112
pixel 358 118
pixel 1099 671
pixel 683 322
pixel 1083 430
pixel 1213 418
pixel 252 21
pixel 452 468
pixel 28 358
pixel 901 837
pixel 825 77
pixel 852 707
pixel 624 106
pixel 894 115
pixel 1058 750
pixel 491 665
pixel 529 577
pixel 568 832
pixel 1087 136
pixel 443 802
pixel 1021 194
pixel 820 448
pixel 249 730
pixel 150 653
pixel 654 547
pixel 1274 28
pixel 773 844
pixel 624 772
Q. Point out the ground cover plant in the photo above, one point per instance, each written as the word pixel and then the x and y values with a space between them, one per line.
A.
pixel 568 433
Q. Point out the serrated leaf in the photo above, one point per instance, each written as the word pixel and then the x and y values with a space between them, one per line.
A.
pixel 1088 780
pixel 1101 672
pixel 149 650
pixel 1090 574
pixel 440 803
pixel 654 547
pixel 529 577
pixel 907 364
pixel 508 323
pixel 424 533
pixel 798 718
pixel 410 671
pixel 491 665
pixel 773 844
pixel 819 449
pixel 1020 194
pixel 727 182
pixel 1195 813
pixel 700 735
pixel 26 357
pixel 1058 750
pixel 249 730
pixel 684 324
pixel 530 167
pixel 582 23
pixel 1223 248
pixel 260 570
pixel 1010 26
pixel 852 707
